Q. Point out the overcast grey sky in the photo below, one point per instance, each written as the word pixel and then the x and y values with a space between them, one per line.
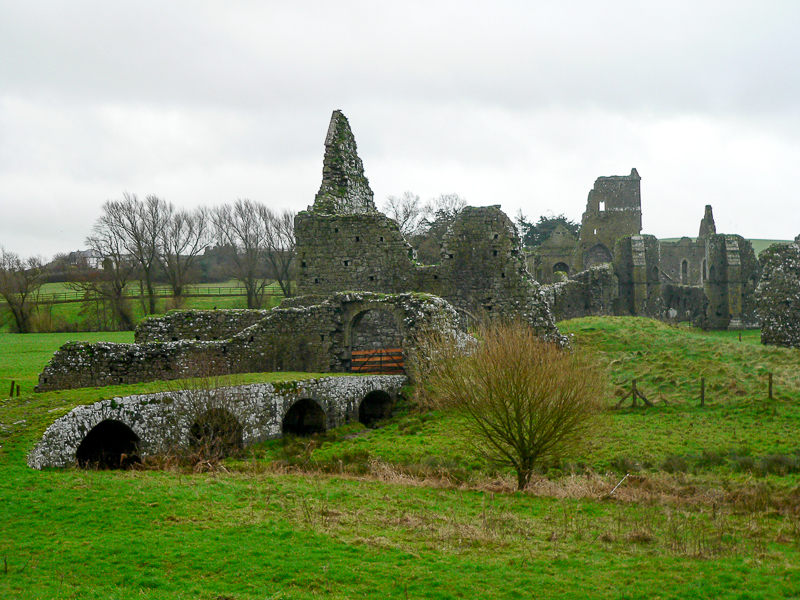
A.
pixel 517 103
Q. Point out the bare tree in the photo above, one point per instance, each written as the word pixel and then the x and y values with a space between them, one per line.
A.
pixel 524 400
pixel 139 226
pixel 104 291
pixel 280 246
pixel 20 280
pixel 407 211
pixel 437 216
pixel 181 241
pixel 241 227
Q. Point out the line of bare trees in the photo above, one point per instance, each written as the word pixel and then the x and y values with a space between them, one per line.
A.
pixel 149 241
pixel 150 238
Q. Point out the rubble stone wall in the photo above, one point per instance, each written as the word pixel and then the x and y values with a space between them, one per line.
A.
pixel 162 421
pixel 205 325
pixel 778 295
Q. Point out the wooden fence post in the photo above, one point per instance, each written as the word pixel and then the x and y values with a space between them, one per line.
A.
pixel 702 391
pixel 769 376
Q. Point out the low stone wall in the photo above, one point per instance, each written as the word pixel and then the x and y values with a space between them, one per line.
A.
pixel 163 421
pixel 202 325
pixel 298 337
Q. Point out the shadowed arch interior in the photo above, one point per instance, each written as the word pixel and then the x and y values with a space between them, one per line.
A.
pixel 109 445
pixel 305 417
pixel 217 433
pixel 375 406
pixel 561 266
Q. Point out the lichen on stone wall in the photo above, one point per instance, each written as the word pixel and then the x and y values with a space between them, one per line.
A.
pixel 344 189
pixel 777 295
pixel 163 421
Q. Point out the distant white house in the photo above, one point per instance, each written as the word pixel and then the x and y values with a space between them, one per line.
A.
pixel 88 258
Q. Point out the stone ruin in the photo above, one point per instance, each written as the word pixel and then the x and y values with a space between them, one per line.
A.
pixel 612 269
pixel 778 295
pixel 345 243
pixel 302 334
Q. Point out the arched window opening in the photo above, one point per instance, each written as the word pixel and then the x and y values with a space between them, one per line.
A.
pixel 305 417
pixel 685 272
pixel 109 445
pixel 705 273
pixel 216 434
pixel 375 406
pixel 597 255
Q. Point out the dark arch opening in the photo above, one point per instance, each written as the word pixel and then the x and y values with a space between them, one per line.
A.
pixel 561 266
pixel 376 406
pixel 305 417
pixel 596 255
pixel 109 445
pixel 216 434
pixel 685 272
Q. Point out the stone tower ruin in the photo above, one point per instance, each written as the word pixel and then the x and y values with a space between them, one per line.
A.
pixel 613 211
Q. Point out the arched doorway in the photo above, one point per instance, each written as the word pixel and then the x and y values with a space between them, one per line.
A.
pixel 376 406
pixel 562 267
pixel 596 255
pixel 376 342
pixel 216 434
pixel 305 417
pixel 109 445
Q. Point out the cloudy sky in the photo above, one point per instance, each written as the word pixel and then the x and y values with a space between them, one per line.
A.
pixel 517 103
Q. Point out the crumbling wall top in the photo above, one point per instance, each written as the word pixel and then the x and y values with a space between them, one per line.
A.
pixel 707 225
pixel 344 189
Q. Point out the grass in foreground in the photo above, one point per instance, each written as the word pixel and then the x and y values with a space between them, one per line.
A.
pixel 405 511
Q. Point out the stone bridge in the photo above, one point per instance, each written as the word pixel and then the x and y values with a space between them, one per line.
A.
pixel 112 431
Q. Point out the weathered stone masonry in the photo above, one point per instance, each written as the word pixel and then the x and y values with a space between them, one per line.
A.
pixel 303 334
pixel 344 243
pixel 778 295
pixel 163 421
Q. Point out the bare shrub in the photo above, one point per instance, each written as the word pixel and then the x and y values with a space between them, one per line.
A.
pixel 526 400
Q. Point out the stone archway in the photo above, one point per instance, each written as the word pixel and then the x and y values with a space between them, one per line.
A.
pixel 562 267
pixel 375 337
pixel 216 433
pixel 304 417
pixel 596 255
pixel 375 328
pixel 376 406
pixel 110 444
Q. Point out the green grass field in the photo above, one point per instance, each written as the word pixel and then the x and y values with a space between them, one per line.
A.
pixel 405 511
pixel 64 316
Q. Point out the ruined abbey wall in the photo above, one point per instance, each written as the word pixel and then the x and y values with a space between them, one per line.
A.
pixel 303 334
pixel 344 243
pixel 778 295
pixel 205 325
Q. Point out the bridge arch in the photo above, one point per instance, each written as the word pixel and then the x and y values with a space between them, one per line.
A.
pixel 375 406
pixel 110 444
pixel 217 432
pixel 304 417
